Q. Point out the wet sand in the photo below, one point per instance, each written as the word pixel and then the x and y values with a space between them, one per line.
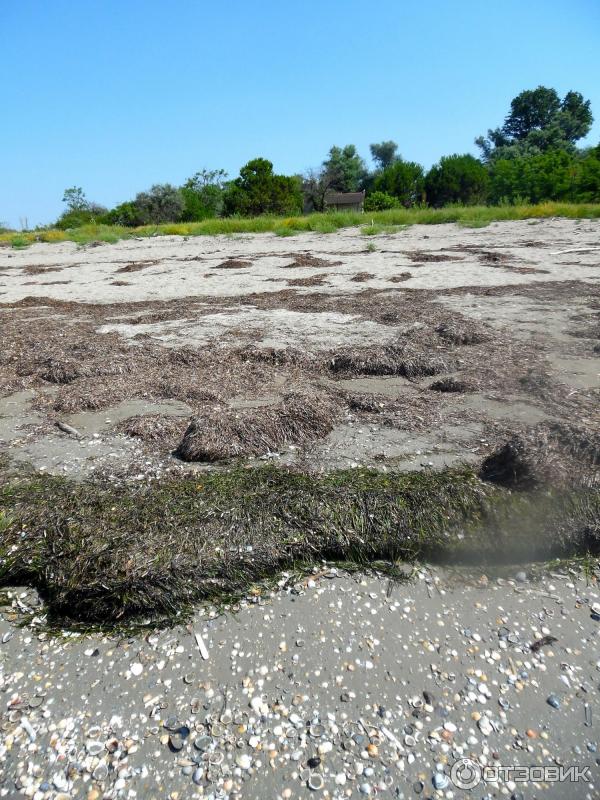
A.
pixel 353 685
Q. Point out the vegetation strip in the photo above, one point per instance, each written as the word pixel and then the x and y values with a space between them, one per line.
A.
pixel 375 222
pixel 100 551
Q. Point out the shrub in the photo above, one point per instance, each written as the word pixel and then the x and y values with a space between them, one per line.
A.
pixel 203 195
pixel 380 201
pixel 554 175
pixel 89 214
pixel 127 214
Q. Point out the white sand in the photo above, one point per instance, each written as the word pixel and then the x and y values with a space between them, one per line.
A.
pixel 86 274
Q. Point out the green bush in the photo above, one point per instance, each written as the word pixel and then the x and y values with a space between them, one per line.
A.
pixel 127 214
pixel 195 207
pixel 76 217
pixel 203 195
pixel 457 179
pixel 554 175
pixel 380 201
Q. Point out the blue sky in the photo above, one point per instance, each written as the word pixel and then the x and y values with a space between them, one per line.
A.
pixel 114 95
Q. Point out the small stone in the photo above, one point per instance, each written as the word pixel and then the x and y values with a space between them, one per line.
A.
pixel 485 726
pixel 553 701
pixel 450 727
pixel 521 577
pixel 136 668
pixel 176 742
pixel 198 776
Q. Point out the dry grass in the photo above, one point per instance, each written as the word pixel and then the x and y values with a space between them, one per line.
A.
pixel 136 266
pixel 233 263
pixel 222 433
pixel 402 358
pixel 428 257
pixel 313 280
pixel 550 454
pixel 36 269
pixel 308 260
pixel 157 429
pixel 48 343
pixel 461 332
pixel 447 385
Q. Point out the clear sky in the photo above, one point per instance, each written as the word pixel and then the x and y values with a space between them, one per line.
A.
pixel 114 95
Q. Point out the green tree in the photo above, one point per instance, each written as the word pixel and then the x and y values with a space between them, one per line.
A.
pixel 75 199
pixel 127 214
pixel 457 179
pixel 344 170
pixel 259 191
pixel 80 211
pixel 554 175
pixel 384 154
pixel 403 180
pixel 538 121
pixel 162 203
pixel 203 195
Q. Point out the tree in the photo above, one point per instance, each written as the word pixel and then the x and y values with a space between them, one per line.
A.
pixel 315 185
pixel 259 191
pixel 575 117
pixel 127 214
pixel 588 177
pixel 162 203
pixel 203 195
pixel 344 170
pixel 79 211
pixel 554 175
pixel 384 153
pixel 75 199
pixel 538 121
pixel 533 109
pixel 457 179
pixel 403 180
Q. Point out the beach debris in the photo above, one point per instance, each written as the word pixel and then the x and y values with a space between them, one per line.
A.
pixel 201 646
pixel 65 428
pixel 543 642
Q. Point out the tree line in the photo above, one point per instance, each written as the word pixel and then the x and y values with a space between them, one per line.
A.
pixel 532 157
